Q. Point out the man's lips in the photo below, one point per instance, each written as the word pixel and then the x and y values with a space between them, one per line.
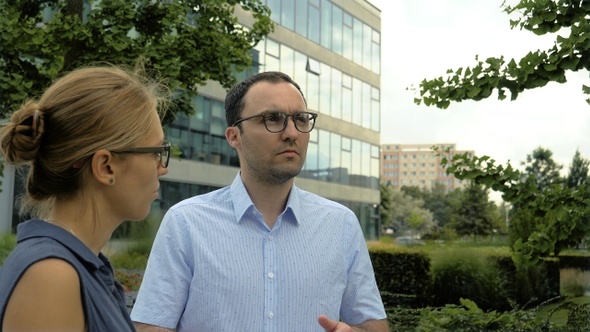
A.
pixel 289 153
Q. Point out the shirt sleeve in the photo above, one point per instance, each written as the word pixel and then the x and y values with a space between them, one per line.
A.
pixel 361 300
pixel 165 287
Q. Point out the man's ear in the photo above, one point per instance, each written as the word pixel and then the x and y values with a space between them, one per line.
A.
pixel 232 136
pixel 103 167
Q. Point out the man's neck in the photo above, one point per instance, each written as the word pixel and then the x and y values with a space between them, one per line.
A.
pixel 270 200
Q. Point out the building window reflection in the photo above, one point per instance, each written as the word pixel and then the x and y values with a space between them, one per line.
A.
pixel 328 25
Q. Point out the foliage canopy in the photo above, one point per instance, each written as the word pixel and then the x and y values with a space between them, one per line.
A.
pixel 560 213
pixel 536 69
pixel 185 42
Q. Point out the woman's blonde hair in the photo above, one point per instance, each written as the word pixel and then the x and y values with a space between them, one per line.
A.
pixel 92 108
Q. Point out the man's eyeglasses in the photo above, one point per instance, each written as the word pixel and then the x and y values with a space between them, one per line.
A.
pixel 161 152
pixel 275 122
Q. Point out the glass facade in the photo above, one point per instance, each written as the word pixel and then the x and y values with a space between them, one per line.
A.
pixel 327 90
pixel 331 157
pixel 328 25
pixel 335 157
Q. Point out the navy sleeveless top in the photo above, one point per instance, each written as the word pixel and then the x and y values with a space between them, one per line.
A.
pixel 102 296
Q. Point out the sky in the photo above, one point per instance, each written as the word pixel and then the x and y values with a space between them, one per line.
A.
pixel 423 38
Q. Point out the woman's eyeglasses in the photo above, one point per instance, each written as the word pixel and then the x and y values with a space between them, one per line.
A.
pixel 161 152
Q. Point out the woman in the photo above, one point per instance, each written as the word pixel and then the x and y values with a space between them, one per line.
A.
pixel 95 147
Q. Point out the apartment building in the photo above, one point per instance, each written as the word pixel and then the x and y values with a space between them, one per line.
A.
pixel 417 165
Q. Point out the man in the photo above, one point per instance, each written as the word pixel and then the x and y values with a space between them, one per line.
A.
pixel 261 254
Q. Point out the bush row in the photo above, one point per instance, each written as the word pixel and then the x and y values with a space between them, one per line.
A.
pixel 409 280
pixel 574 262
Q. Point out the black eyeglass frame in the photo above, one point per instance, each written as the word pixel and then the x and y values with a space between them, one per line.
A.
pixel 312 118
pixel 150 149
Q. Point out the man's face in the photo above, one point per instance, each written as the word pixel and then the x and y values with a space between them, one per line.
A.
pixel 270 158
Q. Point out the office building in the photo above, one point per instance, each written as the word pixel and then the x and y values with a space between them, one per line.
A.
pixel 332 49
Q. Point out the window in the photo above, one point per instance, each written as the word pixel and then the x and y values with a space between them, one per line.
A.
pixel 313 66
pixel 313 24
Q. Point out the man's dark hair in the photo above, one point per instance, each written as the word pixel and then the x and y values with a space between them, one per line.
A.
pixel 234 100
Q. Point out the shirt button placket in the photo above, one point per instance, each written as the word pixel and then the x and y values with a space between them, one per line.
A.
pixel 270 286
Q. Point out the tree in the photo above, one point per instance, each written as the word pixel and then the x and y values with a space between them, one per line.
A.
pixel 437 200
pixel 185 43
pixel 415 220
pixel 409 214
pixel 578 173
pixel 541 166
pixel 544 173
pixel 474 214
pixel 385 206
pixel 536 69
pixel 562 212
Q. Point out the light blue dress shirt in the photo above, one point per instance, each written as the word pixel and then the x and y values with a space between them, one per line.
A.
pixel 216 266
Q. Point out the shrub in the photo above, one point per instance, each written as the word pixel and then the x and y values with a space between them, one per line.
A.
pixel 574 282
pixel 469 317
pixel 528 283
pixel 130 280
pixel 403 277
pixel 134 258
pixel 466 274
pixel 129 261
pixel 574 262
pixel 7 244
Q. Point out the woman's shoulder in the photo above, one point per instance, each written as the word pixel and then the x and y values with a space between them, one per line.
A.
pixel 49 293
pixel 50 275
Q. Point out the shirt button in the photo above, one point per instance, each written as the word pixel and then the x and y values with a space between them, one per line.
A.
pixel 270 237
pixel 271 275
pixel 270 314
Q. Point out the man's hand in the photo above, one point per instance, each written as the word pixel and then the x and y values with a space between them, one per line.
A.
pixel 332 325
pixel 369 326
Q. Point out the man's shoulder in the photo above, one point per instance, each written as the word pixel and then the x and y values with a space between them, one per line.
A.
pixel 212 198
pixel 310 199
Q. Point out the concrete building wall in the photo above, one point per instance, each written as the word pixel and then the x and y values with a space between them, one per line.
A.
pixel 418 165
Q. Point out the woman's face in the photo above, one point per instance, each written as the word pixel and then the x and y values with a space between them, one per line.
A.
pixel 136 187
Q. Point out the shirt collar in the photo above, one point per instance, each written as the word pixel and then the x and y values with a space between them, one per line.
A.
pixel 242 201
pixel 39 228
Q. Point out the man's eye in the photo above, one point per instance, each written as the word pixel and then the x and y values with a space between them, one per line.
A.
pixel 273 118
pixel 302 118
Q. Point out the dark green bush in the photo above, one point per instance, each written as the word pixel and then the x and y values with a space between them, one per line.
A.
pixel 7 244
pixel 402 277
pixel 468 275
pixel 528 284
pixel 468 317
pixel 128 261
pixel 574 262
pixel 134 258
pixel 130 280
pixel 578 318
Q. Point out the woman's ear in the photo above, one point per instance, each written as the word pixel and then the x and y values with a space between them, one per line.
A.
pixel 102 164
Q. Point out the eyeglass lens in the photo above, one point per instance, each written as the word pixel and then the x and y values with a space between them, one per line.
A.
pixel 277 122
pixel 165 156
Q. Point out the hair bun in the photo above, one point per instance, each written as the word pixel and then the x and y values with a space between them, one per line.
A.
pixel 21 136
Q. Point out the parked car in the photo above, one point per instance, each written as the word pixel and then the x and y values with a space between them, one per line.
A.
pixel 409 241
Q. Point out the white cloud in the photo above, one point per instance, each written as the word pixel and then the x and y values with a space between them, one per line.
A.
pixel 423 38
